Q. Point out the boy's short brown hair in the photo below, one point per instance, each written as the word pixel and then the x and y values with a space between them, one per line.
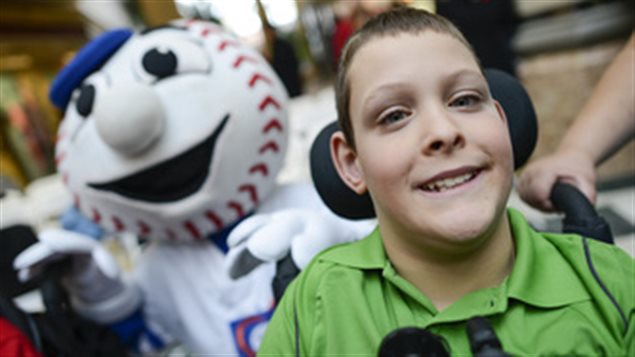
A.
pixel 391 23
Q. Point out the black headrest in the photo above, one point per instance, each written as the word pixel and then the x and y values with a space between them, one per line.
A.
pixel 523 130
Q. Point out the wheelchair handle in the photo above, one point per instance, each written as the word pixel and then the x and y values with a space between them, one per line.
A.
pixel 580 215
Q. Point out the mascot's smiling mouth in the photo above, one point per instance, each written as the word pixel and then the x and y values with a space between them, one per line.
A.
pixel 170 180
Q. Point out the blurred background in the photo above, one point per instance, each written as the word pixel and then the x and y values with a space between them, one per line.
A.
pixel 558 49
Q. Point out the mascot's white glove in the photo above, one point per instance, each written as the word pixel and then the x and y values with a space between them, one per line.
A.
pixel 96 288
pixel 268 237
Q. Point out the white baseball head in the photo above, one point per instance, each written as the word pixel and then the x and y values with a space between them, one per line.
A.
pixel 173 133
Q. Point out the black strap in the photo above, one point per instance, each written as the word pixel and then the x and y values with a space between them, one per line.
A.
pixel 286 271
pixel 587 254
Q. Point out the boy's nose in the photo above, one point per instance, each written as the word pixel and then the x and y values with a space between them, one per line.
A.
pixel 443 136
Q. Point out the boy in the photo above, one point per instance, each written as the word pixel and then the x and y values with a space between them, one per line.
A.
pixel 423 136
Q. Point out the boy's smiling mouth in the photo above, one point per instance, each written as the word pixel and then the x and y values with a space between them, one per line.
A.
pixel 451 179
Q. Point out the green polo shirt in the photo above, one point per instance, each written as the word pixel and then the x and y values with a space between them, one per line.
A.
pixel 350 297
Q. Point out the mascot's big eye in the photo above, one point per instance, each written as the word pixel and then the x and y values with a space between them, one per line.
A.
pixel 84 104
pixel 160 63
pixel 168 53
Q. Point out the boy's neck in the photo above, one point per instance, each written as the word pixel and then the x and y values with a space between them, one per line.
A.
pixel 445 278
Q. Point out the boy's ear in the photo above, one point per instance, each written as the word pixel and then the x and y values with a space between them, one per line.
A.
pixel 345 161
pixel 501 111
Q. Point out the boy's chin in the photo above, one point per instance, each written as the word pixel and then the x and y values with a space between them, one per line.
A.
pixel 469 228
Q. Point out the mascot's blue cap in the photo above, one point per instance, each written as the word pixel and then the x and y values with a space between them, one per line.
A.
pixel 86 61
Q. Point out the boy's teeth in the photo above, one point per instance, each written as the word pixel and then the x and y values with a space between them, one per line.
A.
pixel 447 183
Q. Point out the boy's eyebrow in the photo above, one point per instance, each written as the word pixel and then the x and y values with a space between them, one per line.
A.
pixel 378 93
pixel 467 72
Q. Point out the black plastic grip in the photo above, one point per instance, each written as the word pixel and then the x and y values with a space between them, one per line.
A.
pixel 580 215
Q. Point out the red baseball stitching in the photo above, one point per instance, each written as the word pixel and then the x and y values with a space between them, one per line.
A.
pixel 225 43
pixel 272 124
pixel 96 216
pixel 207 29
pixel 270 145
pixel 243 58
pixel 119 226
pixel 144 229
pixel 215 219
pixel 269 100
pixel 251 189
pixel 236 207
pixel 259 167
pixel 205 32
pixel 256 77
pixel 193 230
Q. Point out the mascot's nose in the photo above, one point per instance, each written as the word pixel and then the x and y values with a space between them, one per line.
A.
pixel 129 117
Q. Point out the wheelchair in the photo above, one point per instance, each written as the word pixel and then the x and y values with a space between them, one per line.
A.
pixel 580 216
pixel 58 330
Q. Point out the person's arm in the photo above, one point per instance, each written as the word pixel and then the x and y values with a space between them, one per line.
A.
pixel 604 124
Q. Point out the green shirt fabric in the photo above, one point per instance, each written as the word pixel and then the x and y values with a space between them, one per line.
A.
pixel 350 297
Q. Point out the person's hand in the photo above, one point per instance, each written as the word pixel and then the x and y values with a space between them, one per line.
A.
pixel 537 179
pixel 269 237
pixel 94 282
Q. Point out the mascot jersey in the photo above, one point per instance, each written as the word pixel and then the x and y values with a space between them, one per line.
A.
pixel 176 134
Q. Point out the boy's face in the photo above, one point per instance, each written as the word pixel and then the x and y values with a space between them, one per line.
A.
pixel 431 146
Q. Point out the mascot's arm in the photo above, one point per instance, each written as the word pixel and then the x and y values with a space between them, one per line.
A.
pixel 96 288
pixel 133 329
pixel 303 233
pixel 294 221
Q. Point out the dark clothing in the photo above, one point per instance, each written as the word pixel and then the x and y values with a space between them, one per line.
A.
pixel 286 65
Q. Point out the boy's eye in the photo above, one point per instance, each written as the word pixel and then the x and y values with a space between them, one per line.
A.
pixel 393 116
pixel 465 101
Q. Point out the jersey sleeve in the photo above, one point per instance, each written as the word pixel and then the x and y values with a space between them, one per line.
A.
pixel 141 336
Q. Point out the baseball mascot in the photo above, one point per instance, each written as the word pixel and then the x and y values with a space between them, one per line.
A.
pixel 176 134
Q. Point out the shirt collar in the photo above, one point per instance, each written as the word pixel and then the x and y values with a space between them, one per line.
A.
pixel 367 253
pixel 541 275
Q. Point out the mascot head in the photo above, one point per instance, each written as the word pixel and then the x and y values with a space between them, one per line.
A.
pixel 173 133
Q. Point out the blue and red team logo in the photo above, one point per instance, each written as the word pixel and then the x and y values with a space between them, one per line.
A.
pixel 249 331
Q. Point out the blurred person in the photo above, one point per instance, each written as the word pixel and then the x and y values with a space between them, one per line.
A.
pixel 343 27
pixel 604 124
pixel 281 55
